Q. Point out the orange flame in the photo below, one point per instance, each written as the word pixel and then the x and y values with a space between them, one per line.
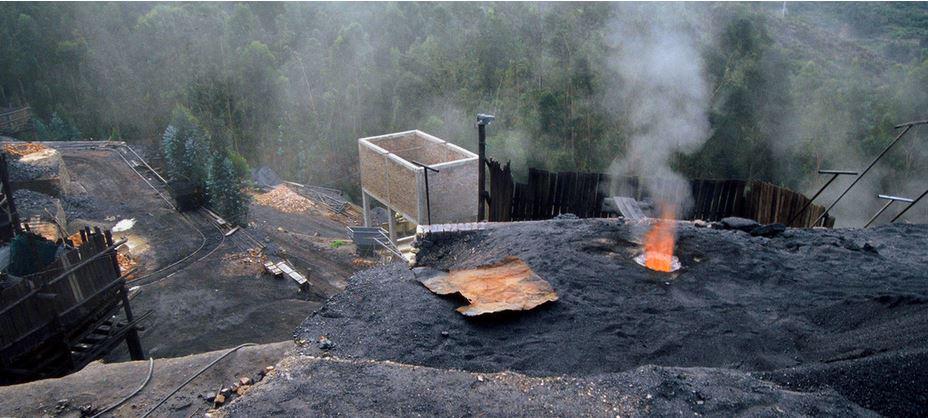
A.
pixel 659 242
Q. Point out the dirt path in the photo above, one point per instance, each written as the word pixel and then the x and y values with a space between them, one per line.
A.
pixel 108 191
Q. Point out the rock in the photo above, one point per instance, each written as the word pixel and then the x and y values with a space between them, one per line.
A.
pixel 220 399
pixel 225 391
pixel 699 223
pixel 242 390
pixel 444 334
pixel 245 381
pixel 740 224
pixel 325 343
pixel 268 369
pixel 769 230
pixel 88 410
pixel 208 397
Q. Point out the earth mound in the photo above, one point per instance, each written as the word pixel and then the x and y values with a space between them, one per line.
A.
pixel 822 298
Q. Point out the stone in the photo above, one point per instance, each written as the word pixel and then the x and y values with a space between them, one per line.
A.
pixel 325 343
pixel 245 381
pixel 740 224
pixel 769 230
pixel 208 397
pixel 219 399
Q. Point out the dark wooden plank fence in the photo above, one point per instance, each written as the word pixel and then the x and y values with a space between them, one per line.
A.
pixel 546 195
pixel 55 299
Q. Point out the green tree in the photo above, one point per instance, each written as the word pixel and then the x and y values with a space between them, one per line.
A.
pixel 225 189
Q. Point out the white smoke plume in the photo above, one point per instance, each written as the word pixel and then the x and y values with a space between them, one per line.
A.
pixel 661 93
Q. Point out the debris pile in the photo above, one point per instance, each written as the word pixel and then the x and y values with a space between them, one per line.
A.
pixel 126 263
pixel 285 200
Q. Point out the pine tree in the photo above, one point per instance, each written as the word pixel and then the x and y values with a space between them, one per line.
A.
pixel 225 190
pixel 170 147
pixel 195 161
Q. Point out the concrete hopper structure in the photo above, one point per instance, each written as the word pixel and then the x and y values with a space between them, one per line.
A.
pixel 392 173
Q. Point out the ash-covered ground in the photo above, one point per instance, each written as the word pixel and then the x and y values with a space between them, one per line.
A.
pixel 842 310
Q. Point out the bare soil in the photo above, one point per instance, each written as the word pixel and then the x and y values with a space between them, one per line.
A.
pixel 840 309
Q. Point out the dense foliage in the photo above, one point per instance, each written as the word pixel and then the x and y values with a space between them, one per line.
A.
pixel 294 85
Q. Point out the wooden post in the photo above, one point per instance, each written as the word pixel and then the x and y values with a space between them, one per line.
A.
pixel 132 337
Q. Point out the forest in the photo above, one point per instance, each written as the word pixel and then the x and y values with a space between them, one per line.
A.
pixel 764 91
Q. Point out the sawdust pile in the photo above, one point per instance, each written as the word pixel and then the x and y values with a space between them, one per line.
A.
pixel 21 149
pixel 285 200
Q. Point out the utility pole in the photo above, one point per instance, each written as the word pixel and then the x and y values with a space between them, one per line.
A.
pixel 482 196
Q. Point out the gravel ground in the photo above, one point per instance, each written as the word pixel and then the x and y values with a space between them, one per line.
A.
pixel 751 304
pixel 332 387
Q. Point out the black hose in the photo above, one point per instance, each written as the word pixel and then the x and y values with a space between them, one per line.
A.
pixel 151 367
pixel 198 373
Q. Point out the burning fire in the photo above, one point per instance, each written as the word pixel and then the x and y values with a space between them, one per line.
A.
pixel 659 243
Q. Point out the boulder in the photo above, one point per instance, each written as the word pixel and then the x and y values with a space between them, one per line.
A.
pixel 740 224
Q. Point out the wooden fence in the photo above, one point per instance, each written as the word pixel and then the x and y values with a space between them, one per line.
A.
pixel 548 194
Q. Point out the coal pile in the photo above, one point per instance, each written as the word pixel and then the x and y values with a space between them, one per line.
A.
pixel 812 307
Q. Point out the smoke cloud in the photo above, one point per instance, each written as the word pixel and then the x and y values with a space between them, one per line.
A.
pixel 661 92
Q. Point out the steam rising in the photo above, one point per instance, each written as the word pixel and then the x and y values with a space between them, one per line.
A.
pixel 663 95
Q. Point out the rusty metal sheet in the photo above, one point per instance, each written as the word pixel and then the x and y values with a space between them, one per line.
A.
pixel 509 285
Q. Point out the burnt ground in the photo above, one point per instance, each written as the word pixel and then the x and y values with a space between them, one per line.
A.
pixel 843 310
pixel 99 385
pixel 220 297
